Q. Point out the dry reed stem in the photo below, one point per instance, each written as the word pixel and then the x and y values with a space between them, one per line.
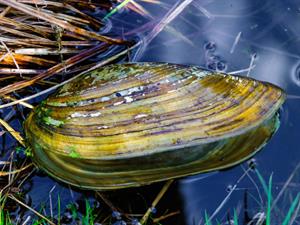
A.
pixel 107 201
pixel 66 18
pixel 7 173
pixel 14 133
pixel 139 9
pixel 46 51
pixel 13 72
pixel 156 201
pixel 21 103
pixel 157 220
pixel 42 82
pixel 55 69
pixel 15 59
pixel 6 78
pixel 23 26
pixel 26 177
pixel 102 63
pixel 87 4
pixel 19 33
pixel 4 162
pixel 92 21
pixel 41 43
pixel 63 24
pixel 31 209
pixel 26 42
pixel 5 11
pixel 11 55
pixel 167 19
pixel 171 15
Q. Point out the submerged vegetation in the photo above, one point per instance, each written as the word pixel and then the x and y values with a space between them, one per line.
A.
pixel 268 214
pixel 98 209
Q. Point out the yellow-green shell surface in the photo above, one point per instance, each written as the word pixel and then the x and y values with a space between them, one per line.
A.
pixel 133 124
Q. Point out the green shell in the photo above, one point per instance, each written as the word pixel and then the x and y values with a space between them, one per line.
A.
pixel 133 124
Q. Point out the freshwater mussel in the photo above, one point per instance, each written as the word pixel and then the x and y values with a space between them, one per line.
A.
pixel 132 124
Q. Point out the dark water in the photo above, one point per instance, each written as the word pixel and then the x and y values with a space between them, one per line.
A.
pixel 226 35
pixel 269 37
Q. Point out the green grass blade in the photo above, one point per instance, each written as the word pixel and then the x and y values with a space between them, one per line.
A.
pixel 118 7
pixel 235 218
pixel 269 195
pixel 87 211
pixel 207 221
pixel 8 220
pixel 58 209
pixel 262 181
pixel 291 210
pixel 1 216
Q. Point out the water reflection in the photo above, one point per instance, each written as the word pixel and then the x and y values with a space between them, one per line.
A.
pixel 260 38
pixel 234 33
pixel 296 74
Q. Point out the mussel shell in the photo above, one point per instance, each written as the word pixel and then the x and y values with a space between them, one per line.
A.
pixel 133 124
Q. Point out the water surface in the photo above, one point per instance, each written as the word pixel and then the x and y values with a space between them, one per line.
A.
pixel 229 36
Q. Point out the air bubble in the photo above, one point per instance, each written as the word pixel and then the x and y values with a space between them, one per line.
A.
pixel 116 214
pixel 252 164
pixel 135 222
pixel 221 66
pixel 153 210
pixel 229 188
pixel 211 65
pixel 254 56
pixel 67 216
pixel 210 46
pixel 120 222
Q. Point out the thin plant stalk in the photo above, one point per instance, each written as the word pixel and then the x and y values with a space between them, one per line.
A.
pixel 61 23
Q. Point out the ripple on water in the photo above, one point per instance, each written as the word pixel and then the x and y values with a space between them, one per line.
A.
pixel 296 74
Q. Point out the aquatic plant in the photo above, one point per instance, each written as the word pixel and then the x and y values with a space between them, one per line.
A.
pixel 267 215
